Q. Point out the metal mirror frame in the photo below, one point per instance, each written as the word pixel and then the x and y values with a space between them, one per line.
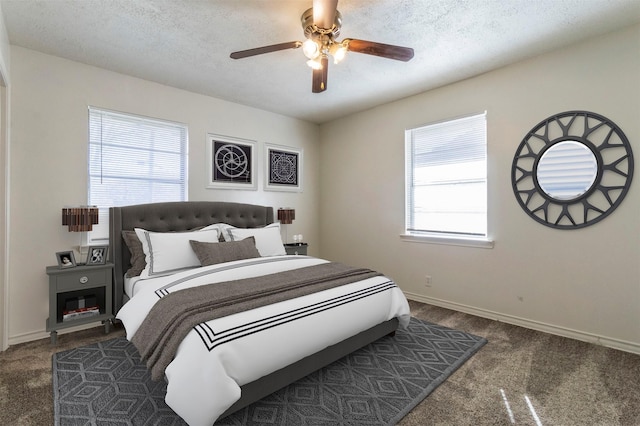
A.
pixel 561 214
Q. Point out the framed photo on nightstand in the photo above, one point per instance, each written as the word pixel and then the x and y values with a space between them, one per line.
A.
pixel 97 255
pixel 66 259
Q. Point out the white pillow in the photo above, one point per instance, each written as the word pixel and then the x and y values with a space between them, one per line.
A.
pixel 222 228
pixel 169 252
pixel 268 239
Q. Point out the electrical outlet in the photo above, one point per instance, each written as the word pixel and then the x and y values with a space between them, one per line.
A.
pixel 427 280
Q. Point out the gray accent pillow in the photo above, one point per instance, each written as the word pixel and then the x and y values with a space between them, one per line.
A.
pixel 138 261
pixel 213 253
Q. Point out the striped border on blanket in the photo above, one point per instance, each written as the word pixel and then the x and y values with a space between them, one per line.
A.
pixel 212 339
pixel 166 289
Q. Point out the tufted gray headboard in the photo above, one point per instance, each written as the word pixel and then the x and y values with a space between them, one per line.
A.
pixel 173 216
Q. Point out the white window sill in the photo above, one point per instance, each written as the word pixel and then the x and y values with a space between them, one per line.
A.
pixel 480 242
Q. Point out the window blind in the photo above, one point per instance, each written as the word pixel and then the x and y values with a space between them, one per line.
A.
pixel 446 177
pixel 134 160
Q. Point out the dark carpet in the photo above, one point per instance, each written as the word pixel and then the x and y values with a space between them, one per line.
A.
pixel 106 384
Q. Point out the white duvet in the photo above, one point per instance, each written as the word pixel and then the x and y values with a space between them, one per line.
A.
pixel 219 356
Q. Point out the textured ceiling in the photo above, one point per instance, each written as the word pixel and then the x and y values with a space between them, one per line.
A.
pixel 186 44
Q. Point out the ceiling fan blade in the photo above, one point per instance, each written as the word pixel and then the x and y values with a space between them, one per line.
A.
pixel 380 49
pixel 319 83
pixel 265 49
pixel 324 13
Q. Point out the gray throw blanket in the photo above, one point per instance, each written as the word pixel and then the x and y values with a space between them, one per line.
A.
pixel 173 316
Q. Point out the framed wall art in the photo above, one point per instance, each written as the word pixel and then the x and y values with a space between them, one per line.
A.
pixel 284 168
pixel 231 163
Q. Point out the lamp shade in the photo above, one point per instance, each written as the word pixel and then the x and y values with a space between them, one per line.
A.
pixel 286 216
pixel 80 219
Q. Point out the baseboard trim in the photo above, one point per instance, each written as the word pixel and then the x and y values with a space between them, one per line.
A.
pixel 609 342
pixel 37 335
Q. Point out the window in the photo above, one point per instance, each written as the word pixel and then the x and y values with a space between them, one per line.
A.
pixel 134 160
pixel 446 179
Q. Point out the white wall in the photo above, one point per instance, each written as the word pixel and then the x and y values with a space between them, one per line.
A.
pixel 4 190
pixel 582 283
pixel 49 103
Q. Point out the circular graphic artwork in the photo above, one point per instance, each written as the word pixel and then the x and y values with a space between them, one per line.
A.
pixel 231 161
pixel 572 170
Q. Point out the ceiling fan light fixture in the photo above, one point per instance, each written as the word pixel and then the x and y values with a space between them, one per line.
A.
pixel 315 63
pixel 338 51
pixel 321 25
pixel 310 49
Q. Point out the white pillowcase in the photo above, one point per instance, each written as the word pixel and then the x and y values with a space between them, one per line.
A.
pixel 169 252
pixel 222 228
pixel 268 239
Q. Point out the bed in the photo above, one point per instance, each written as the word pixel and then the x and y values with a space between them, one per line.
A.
pixel 208 381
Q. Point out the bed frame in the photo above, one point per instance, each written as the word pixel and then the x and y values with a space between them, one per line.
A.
pixel 183 216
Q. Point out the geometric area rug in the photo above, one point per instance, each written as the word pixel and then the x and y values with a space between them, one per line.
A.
pixel 106 384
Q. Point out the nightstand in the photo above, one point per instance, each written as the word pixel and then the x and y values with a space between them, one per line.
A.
pixel 296 248
pixel 79 295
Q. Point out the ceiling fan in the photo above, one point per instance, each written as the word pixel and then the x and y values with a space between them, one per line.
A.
pixel 321 25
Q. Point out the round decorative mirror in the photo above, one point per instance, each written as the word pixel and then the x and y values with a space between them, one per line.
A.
pixel 567 170
pixel 572 170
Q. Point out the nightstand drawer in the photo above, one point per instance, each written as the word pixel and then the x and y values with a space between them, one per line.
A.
pixel 296 249
pixel 82 279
